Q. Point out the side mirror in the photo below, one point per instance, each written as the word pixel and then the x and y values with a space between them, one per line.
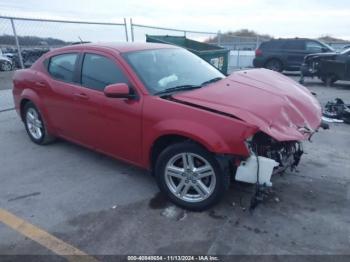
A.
pixel 119 90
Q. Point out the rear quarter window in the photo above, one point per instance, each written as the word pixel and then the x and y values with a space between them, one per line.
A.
pixel 295 45
pixel 275 44
pixel 62 66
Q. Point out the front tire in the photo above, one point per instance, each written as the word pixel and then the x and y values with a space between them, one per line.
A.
pixel 190 176
pixel 329 80
pixel 35 125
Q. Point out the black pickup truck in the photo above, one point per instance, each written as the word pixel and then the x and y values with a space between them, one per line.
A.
pixel 329 67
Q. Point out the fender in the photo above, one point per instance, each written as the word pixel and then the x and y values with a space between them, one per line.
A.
pixel 207 136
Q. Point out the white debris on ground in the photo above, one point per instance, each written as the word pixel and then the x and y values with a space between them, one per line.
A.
pixel 332 120
pixel 169 212
pixel 175 213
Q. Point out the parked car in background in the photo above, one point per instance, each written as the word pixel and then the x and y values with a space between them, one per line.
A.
pixel 29 56
pixel 165 109
pixel 346 47
pixel 287 54
pixel 329 67
pixel 6 63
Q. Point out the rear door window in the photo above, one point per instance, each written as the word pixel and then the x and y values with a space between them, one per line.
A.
pixel 295 45
pixel 271 45
pixel 62 67
pixel 99 71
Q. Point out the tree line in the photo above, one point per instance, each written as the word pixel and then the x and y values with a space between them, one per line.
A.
pixel 31 40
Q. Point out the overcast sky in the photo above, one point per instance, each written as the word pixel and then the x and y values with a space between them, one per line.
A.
pixel 311 18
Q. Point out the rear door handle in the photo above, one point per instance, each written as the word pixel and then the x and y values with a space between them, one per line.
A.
pixel 81 96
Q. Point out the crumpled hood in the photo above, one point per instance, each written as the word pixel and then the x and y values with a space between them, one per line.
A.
pixel 274 103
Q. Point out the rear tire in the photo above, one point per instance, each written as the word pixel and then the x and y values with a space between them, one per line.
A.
pixel 35 125
pixel 5 66
pixel 274 65
pixel 190 176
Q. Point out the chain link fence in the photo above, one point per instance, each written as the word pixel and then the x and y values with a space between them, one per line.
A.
pixel 139 32
pixel 23 40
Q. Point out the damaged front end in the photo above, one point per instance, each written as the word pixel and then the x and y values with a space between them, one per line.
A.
pixel 268 157
pixel 286 153
pixel 322 66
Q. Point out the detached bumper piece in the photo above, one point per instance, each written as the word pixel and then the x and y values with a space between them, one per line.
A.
pixel 336 112
pixel 268 157
pixel 256 170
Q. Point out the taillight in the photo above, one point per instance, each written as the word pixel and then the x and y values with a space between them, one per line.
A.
pixel 258 52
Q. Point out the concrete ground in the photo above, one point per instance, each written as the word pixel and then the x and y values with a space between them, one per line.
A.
pixel 102 206
pixel 6 80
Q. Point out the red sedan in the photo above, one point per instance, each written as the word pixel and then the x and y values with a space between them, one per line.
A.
pixel 164 109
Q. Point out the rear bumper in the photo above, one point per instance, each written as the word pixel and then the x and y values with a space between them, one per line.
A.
pixel 258 62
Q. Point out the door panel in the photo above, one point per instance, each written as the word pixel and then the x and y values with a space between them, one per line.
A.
pixel 114 124
pixel 58 105
pixel 120 134
pixel 84 116
pixel 58 99
pixel 295 53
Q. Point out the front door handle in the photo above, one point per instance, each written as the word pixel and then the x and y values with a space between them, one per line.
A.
pixel 81 96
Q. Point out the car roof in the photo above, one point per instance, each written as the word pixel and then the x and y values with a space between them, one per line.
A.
pixel 292 39
pixel 121 47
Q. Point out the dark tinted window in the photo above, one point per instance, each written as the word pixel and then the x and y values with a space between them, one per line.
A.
pixel 62 67
pixel 295 45
pixel 274 44
pixel 99 72
pixel 314 46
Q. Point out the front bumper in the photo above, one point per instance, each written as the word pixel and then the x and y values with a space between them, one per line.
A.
pixel 268 157
pixel 310 70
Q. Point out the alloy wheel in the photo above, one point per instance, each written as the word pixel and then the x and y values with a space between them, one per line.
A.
pixel 190 177
pixel 34 124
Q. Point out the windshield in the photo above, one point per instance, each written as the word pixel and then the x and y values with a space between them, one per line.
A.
pixel 328 46
pixel 169 69
pixel 345 51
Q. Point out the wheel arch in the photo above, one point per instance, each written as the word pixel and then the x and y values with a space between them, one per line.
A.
pixel 165 140
pixel 275 58
pixel 216 139
pixel 22 104
pixel 28 95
